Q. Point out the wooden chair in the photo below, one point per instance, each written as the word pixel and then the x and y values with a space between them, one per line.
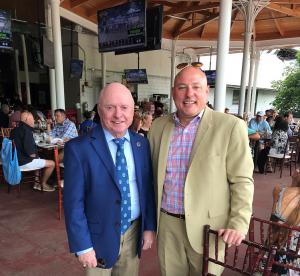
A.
pixel 262 231
pixel 294 142
pixel 5 132
pixel 58 168
pixel 279 159
pixel 237 258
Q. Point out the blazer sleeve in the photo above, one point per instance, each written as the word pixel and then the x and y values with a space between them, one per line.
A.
pixel 150 221
pixel 239 173
pixel 73 200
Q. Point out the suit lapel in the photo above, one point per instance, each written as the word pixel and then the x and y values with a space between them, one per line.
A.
pixel 100 146
pixel 136 146
pixel 205 124
pixel 164 150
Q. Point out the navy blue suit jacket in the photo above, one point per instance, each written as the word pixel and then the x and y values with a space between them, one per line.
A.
pixel 92 197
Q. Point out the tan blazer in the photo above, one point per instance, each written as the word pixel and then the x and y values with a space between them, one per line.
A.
pixel 219 186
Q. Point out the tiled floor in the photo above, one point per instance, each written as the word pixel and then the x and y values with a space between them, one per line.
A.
pixel 33 242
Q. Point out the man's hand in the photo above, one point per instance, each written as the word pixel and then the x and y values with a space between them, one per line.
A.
pixel 231 236
pixel 88 259
pixel 148 239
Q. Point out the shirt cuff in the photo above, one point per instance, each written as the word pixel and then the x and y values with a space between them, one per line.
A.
pixel 84 251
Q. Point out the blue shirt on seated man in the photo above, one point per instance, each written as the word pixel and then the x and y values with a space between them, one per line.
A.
pixel 259 124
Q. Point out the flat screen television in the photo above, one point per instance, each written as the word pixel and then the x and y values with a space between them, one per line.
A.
pixel 122 27
pixel 76 66
pixel 48 52
pixel 154 22
pixel 136 76
pixel 5 30
pixel 211 77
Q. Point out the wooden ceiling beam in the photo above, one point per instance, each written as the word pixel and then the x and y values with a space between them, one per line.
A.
pixel 285 1
pixel 180 25
pixel 181 10
pixel 165 3
pixel 104 5
pixel 197 25
pixel 76 3
pixel 284 10
pixel 280 30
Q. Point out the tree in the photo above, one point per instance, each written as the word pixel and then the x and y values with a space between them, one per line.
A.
pixel 288 89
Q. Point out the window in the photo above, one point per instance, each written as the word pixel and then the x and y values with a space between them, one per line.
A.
pixel 235 96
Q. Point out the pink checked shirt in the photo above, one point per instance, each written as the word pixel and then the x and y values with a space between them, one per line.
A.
pixel 177 165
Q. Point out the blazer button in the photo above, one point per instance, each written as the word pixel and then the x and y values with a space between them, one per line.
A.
pixel 118 201
pixel 117 224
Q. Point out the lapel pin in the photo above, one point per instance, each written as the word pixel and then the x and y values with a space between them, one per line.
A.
pixel 138 144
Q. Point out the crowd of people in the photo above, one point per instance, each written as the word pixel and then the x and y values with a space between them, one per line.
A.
pixel 132 175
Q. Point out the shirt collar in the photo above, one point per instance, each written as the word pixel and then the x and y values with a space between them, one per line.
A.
pixel 194 121
pixel 109 137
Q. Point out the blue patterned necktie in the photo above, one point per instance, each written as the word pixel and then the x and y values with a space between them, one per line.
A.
pixel 123 181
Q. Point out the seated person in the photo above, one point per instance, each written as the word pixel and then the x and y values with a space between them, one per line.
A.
pixel 87 124
pixel 27 151
pixel 259 123
pixel 286 209
pixel 64 128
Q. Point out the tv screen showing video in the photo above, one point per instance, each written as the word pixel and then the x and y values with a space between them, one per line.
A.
pixel 5 30
pixel 76 66
pixel 122 26
pixel 211 77
pixel 136 76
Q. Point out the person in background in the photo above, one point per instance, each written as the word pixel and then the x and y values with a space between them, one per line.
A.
pixel 16 101
pixel 87 124
pixel 27 151
pixel 4 117
pixel 63 128
pixel 146 123
pixel 96 118
pixel 270 121
pixel 200 177
pixel 288 116
pixel 259 123
pixel 108 192
pixel 136 122
pixel 226 110
pixel 286 209
pixel 15 117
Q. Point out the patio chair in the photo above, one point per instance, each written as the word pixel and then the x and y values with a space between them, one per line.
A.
pixel 236 258
pixel 278 159
pixel 294 142
pixel 262 231
pixel 5 132
pixel 59 167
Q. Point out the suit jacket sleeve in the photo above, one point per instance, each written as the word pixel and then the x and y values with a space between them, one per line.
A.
pixel 239 173
pixel 73 200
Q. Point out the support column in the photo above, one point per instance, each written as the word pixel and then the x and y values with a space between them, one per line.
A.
pixel 250 81
pixel 26 69
pixel 58 60
pixel 222 54
pixel 103 69
pixel 18 82
pixel 253 99
pixel 51 70
pixel 173 57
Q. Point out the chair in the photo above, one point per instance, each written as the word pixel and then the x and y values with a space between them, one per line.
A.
pixel 237 258
pixel 279 159
pixel 262 231
pixel 294 142
pixel 58 167
pixel 5 132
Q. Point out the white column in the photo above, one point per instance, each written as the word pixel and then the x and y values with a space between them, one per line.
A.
pixel 244 75
pixel 18 90
pixel 253 99
pixel 58 60
pixel 51 70
pixel 250 80
pixel 223 49
pixel 103 69
pixel 173 57
pixel 26 69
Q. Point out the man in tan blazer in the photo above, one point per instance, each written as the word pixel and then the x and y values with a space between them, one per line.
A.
pixel 203 175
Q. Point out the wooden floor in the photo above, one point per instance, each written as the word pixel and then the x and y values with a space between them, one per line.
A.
pixel 33 242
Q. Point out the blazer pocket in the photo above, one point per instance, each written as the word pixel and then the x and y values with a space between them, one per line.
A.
pixel 212 213
pixel 95 228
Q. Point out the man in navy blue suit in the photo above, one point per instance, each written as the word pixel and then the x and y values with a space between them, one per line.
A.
pixel 108 194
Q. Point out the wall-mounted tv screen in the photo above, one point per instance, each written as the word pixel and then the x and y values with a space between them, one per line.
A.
pixel 154 22
pixel 136 76
pixel 122 26
pixel 5 30
pixel 211 77
pixel 76 66
pixel 48 52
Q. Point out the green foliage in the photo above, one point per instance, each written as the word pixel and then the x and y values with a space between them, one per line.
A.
pixel 288 90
